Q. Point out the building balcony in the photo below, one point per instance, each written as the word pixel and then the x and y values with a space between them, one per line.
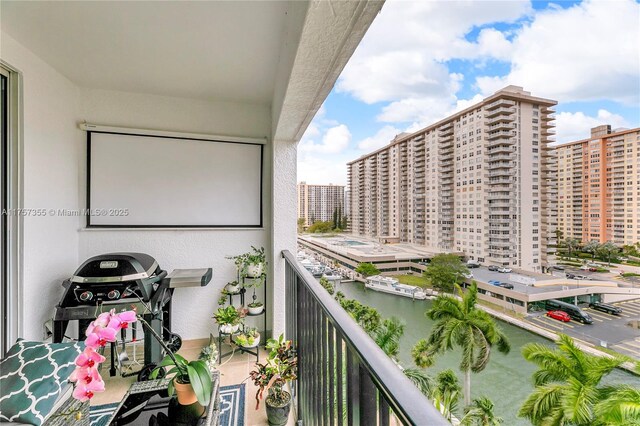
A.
pixel 341 369
pixel 500 134
pixel 506 103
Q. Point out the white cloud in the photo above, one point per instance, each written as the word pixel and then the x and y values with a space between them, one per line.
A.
pixel 401 59
pixel 575 126
pixel 583 53
pixel 380 139
pixel 322 171
pixel 335 140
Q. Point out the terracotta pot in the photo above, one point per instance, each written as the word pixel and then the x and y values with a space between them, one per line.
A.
pixel 185 393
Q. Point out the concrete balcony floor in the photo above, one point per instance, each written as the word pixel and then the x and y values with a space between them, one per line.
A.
pixel 233 370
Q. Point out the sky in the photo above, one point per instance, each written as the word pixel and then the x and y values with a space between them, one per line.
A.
pixel 421 61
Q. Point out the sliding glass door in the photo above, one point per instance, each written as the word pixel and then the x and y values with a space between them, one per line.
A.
pixel 4 201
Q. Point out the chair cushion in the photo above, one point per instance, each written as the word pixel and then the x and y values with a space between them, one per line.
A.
pixel 32 376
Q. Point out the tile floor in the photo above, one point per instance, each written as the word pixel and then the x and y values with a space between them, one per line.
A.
pixel 233 370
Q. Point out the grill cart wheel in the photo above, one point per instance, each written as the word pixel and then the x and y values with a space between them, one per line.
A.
pixel 174 343
pixel 145 373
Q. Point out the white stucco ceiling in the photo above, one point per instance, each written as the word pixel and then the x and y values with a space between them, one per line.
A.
pixel 213 50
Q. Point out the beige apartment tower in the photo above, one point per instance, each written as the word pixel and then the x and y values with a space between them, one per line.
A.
pixel 319 202
pixel 481 181
pixel 599 187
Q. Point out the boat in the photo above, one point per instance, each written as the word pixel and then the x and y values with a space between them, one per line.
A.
pixel 332 276
pixel 393 286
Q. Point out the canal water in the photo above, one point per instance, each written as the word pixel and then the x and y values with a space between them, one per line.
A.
pixel 507 378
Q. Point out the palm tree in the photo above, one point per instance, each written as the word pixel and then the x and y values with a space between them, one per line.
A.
pixel 591 247
pixel 421 379
pixel 566 384
pixel 388 335
pixel 446 393
pixel 620 407
pixel 571 244
pixel 460 323
pixel 606 250
pixel 480 413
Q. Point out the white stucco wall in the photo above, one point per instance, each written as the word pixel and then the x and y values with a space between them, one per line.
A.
pixel 193 307
pixel 52 151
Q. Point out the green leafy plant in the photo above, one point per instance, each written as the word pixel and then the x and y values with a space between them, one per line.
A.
pixel 229 315
pixel 194 372
pixel 367 269
pixel 255 304
pixel 209 354
pixel 248 338
pixel 254 257
pixel 280 367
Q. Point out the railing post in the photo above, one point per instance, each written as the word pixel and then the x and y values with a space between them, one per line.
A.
pixel 368 406
pixel 353 389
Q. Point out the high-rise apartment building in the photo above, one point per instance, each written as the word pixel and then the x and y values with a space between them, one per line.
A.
pixel 481 181
pixel 319 202
pixel 599 187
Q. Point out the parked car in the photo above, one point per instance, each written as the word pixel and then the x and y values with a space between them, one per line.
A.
pixel 472 264
pixel 581 277
pixel 492 268
pixel 610 309
pixel 559 315
pixel 558 267
pixel 494 282
pixel 570 276
pixel 506 285
pixel 589 268
pixel 505 270
pixel 468 275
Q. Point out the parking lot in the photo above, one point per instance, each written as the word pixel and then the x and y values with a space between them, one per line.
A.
pixel 614 331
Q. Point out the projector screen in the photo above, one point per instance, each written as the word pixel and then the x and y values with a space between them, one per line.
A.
pixel 140 181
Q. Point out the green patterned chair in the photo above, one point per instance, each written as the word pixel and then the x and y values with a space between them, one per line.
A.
pixel 34 389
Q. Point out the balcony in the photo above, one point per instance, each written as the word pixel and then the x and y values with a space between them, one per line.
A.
pixel 342 372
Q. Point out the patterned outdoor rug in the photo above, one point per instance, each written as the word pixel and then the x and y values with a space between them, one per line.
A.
pixel 231 409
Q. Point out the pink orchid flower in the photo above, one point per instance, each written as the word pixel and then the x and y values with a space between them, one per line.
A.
pixel 85 391
pixel 89 358
pixel 122 320
pixel 100 337
pixel 103 329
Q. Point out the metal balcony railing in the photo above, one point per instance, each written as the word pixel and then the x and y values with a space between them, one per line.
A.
pixel 343 376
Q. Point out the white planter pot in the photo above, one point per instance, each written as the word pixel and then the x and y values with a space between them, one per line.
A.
pixel 233 288
pixel 255 270
pixel 229 328
pixel 257 310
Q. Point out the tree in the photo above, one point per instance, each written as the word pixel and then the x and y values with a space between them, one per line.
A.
pixel 301 223
pixel 571 244
pixel 320 227
pixel 328 285
pixel 620 407
pixel 458 322
pixel 567 384
pixel 559 235
pixel 480 413
pixel 446 393
pixel 607 250
pixel 591 247
pixel 367 269
pixel 345 222
pixel 387 336
pixel 445 270
pixel 335 218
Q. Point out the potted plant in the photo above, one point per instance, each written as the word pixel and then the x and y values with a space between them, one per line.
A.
pixel 229 319
pixel 252 264
pixel 191 382
pixel 272 376
pixel 209 354
pixel 255 308
pixel 248 339
pixel 232 287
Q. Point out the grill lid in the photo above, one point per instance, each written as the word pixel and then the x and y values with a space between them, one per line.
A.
pixel 116 267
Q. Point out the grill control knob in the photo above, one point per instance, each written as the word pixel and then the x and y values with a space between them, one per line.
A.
pixel 86 295
pixel 113 294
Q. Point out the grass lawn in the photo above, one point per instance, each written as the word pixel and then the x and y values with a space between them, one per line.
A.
pixel 417 280
pixel 630 274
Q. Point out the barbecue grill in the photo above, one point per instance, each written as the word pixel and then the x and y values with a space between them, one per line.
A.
pixel 123 281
